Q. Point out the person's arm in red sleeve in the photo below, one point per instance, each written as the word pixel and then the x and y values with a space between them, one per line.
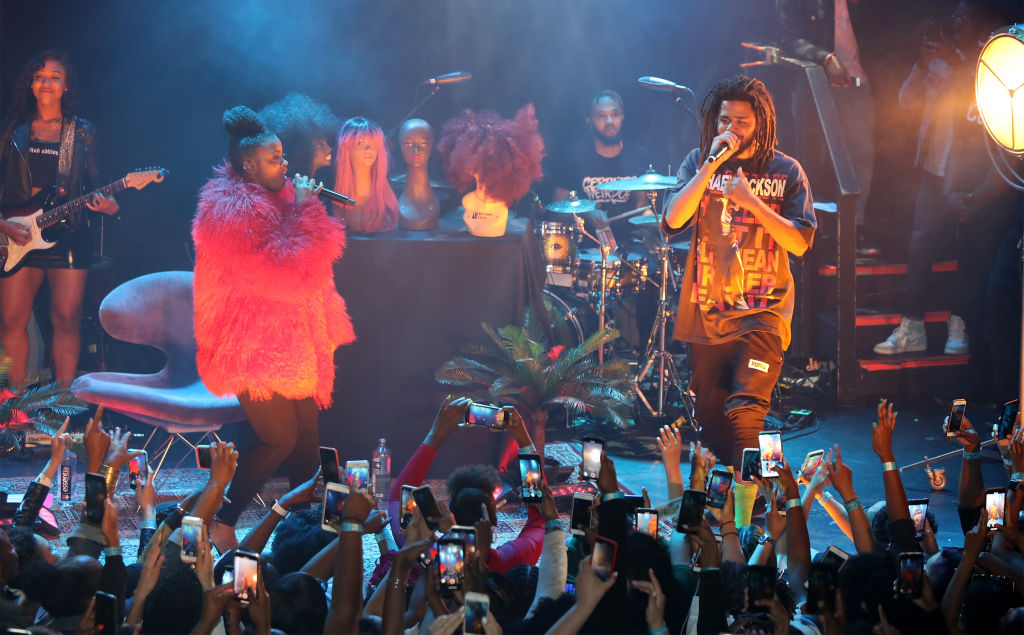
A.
pixel 524 548
pixel 452 411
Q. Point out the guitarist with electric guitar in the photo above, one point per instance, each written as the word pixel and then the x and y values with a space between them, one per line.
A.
pixel 48 179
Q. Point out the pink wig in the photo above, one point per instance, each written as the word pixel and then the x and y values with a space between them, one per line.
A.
pixel 504 153
pixel 381 213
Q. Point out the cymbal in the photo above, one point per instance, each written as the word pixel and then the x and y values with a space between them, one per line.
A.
pixel 572 206
pixel 646 182
pixel 442 185
pixel 645 219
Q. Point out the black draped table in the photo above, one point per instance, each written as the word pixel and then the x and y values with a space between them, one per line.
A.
pixel 415 298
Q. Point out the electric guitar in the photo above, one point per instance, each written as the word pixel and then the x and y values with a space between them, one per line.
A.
pixel 11 253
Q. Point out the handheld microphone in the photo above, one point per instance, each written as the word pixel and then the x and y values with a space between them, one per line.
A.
pixel 449 78
pixel 331 195
pixel 657 83
pixel 717 153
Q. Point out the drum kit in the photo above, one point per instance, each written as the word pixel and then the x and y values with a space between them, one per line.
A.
pixel 601 274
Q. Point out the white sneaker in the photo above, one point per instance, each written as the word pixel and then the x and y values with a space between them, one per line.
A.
pixel 956 344
pixel 909 337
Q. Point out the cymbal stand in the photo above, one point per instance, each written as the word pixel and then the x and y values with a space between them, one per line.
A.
pixel 605 250
pixel 656 353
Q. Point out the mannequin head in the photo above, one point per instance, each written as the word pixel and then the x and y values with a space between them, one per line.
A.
pixel 306 129
pixel 416 138
pixel 361 149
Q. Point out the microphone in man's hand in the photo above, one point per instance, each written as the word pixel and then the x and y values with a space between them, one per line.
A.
pixel 718 152
pixel 449 78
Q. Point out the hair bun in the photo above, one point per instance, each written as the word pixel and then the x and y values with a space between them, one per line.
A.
pixel 242 121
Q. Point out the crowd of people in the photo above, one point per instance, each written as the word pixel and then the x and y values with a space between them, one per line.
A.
pixel 706 580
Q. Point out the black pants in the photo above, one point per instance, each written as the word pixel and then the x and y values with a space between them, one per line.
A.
pixel 733 382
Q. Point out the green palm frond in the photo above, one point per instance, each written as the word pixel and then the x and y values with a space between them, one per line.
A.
pixel 520 367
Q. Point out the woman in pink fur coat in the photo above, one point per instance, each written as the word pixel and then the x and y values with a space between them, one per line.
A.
pixel 267 315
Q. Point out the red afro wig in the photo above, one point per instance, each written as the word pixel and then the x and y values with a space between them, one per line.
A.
pixel 504 153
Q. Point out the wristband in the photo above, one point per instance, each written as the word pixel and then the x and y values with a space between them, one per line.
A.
pixel 351 526
pixel 112 551
pixel 110 475
pixel 44 480
pixel 730 533
pixel 793 502
pixel 827 496
pixel 852 504
pixel 662 630
pixel 552 525
pixel 528 449
pixel 726 523
pixel 972 456
pixel 1017 476
pixel 612 496
pixel 280 511
pixel 148 524
pixel 888 466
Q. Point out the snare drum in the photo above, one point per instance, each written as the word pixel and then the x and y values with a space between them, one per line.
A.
pixel 620 280
pixel 559 243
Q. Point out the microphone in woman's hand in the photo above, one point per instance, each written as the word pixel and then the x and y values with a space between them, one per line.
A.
pixel 331 195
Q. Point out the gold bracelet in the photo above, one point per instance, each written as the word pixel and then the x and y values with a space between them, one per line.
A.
pixel 111 475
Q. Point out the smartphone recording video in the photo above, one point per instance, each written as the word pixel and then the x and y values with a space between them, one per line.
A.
pixel 592 449
pixel 579 520
pixel 813 459
pixel 191 530
pixel 451 555
pixel 477 607
pixel 95 494
pixel 835 557
pixel 357 474
pixel 602 559
pixel 770 444
pixel 909 582
pixel 467 535
pixel 647 521
pixel 919 513
pixel 691 511
pixel 138 468
pixel 105 613
pixel 1008 417
pixel 203 457
pixel 750 465
pixel 529 472
pixel 486 416
pixel 408 511
pixel 335 495
pixel 956 417
pixel 246 581
pixel 718 488
pixel 995 504
pixel 425 500
pixel 329 466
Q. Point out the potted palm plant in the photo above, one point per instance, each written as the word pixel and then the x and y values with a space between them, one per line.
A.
pixel 38 407
pixel 517 366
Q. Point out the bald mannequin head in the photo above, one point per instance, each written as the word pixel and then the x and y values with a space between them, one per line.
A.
pixel 416 139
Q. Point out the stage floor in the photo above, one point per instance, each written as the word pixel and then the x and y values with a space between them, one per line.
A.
pixel 918 433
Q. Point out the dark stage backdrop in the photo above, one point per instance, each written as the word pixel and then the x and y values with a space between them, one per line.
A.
pixel 155 77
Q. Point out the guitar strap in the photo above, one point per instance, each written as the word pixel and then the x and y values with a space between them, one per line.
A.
pixel 67 152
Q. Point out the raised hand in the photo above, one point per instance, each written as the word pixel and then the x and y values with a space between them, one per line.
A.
pixel 96 441
pixel 841 475
pixel 145 491
pixel 204 562
pixel 655 601
pixel 976 539
pixel 517 427
pixel 546 505
pixel 607 481
pixel 59 443
pixel 117 452
pixel 820 479
pixel 305 187
pixel 968 437
pixel 701 459
pixel 670 444
pixel 304 493
pixel 727 512
pixel 449 416
pixel 223 463
pixel 881 436
pixel 358 506
pixel 786 479
pixel 590 588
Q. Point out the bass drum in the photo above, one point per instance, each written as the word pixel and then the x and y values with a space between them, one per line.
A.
pixel 572 319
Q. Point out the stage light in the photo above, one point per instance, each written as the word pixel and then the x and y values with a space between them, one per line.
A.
pixel 998 87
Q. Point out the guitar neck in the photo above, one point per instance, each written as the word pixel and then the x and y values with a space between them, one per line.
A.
pixel 65 210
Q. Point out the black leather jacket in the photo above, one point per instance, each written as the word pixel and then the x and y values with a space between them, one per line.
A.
pixel 16 178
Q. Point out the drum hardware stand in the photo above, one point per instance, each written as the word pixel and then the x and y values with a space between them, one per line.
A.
pixel 656 352
pixel 605 250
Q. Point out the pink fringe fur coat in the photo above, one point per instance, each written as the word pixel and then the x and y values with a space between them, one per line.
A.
pixel 267 315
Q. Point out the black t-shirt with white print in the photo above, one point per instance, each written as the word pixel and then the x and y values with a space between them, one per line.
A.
pixel 737 276
pixel 585 169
